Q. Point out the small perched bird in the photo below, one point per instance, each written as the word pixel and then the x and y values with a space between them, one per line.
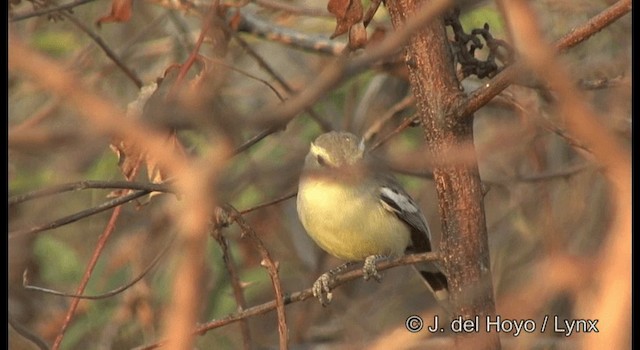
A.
pixel 355 211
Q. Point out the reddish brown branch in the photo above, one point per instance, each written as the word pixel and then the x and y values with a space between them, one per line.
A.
pixel 102 241
pixel 501 81
pixel 207 25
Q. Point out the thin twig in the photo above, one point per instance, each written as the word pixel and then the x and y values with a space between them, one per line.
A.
pixel 249 75
pixel 80 215
pixel 554 174
pixel 246 21
pixel 371 11
pixel 183 30
pixel 293 9
pixel 275 201
pixel 144 188
pixel 89 184
pixel 267 68
pixel 126 49
pixel 102 241
pixel 207 25
pixel 104 115
pixel 545 123
pixel 399 106
pixel 107 50
pixel 545 176
pixel 37 117
pixel 255 139
pixel 25 282
pixel 48 10
pixel 28 334
pixel 238 292
pixel 602 83
pixel 405 124
pixel 272 269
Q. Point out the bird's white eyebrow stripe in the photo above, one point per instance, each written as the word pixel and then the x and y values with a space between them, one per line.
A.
pixel 397 200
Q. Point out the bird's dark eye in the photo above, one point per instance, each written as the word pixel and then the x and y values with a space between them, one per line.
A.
pixel 321 160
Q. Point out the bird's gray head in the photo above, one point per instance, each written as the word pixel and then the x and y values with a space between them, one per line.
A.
pixel 336 149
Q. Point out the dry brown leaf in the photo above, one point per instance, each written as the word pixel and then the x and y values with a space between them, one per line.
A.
pixel 347 12
pixel 121 11
pixel 154 171
pixel 130 157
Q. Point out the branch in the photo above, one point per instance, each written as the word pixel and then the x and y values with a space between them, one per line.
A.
pixel 272 202
pixel 235 282
pixel 344 68
pixel 545 123
pixel 27 286
pixel 271 71
pixel 83 185
pixel 272 269
pixel 407 122
pixel 44 11
pixel 79 215
pixel 539 177
pixel 340 279
pixel 502 80
pixel 28 334
pixel 378 124
pixel 145 188
pixel 293 9
pixel 250 23
pixel 107 50
pixel 102 241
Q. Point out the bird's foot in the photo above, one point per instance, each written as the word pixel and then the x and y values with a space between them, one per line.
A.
pixel 369 269
pixel 322 286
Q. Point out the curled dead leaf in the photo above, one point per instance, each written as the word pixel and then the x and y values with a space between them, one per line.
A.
pixel 347 12
pixel 121 11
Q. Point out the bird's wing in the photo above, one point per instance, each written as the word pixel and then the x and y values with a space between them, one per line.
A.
pixel 396 200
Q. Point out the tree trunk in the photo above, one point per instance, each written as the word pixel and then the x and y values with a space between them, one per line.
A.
pixel 449 138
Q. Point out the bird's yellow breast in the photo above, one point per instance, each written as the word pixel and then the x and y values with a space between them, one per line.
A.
pixel 349 222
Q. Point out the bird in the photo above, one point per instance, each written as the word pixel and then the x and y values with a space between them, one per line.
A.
pixel 357 211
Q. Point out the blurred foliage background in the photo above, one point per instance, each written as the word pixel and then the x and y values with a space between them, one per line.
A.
pixel 545 201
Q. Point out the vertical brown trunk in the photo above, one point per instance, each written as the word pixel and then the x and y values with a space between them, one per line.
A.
pixel 464 243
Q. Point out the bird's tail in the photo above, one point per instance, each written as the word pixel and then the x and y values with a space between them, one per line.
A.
pixel 435 280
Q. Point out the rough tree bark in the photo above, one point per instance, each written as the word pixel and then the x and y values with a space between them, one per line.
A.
pixel 464 244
